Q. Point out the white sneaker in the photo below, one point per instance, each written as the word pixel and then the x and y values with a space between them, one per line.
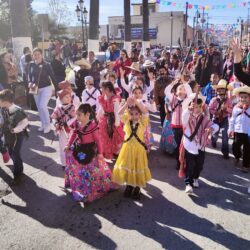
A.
pixel 196 183
pixel 249 190
pixel 47 130
pixel 40 129
pixel 189 189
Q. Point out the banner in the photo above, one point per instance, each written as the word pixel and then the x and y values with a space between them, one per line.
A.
pixel 205 7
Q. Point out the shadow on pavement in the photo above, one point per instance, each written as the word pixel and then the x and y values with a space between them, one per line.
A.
pixel 58 212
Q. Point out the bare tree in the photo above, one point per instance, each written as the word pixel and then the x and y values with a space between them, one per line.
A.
pixel 59 11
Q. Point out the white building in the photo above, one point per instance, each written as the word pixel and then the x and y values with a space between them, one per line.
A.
pixel 159 25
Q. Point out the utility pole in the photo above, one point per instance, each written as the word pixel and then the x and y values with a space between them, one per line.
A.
pixel 127 29
pixel 186 25
pixel 145 20
pixel 93 41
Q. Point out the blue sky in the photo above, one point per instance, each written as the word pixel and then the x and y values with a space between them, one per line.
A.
pixel 115 8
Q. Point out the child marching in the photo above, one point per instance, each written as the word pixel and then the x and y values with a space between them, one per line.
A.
pixel 176 99
pixel 111 130
pixel 87 174
pixel 62 117
pixel 14 129
pixel 197 127
pixel 131 167
pixel 91 94
pixel 239 127
pixel 221 108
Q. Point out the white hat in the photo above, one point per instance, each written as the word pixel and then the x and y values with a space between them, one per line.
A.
pixel 88 78
pixel 191 98
pixel 148 64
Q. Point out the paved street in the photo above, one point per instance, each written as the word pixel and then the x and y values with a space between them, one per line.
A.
pixel 40 214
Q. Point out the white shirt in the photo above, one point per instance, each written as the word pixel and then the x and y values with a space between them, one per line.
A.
pixel 90 96
pixel 129 87
pixel 239 123
pixel 192 146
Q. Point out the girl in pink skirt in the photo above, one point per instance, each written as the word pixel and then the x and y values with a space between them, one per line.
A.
pixel 86 173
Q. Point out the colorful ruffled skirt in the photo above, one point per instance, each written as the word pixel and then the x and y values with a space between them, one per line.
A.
pixel 87 182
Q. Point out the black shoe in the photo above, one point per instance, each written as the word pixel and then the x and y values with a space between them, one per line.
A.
pixel 128 191
pixel 226 156
pixel 214 144
pixel 137 193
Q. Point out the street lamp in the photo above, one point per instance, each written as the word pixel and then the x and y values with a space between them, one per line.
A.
pixel 82 13
pixel 85 16
pixel 171 41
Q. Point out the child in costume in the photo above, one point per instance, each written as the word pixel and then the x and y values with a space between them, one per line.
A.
pixel 150 106
pixel 221 108
pixel 86 172
pixel 138 81
pixel 14 130
pixel 131 167
pixel 111 129
pixel 62 117
pixel 196 129
pixel 91 94
pixel 74 98
pixel 239 127
pixel 111 77
pixel 3 149
pixel 175 100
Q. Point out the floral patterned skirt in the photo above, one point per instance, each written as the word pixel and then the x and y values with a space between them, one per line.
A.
pixel 87 182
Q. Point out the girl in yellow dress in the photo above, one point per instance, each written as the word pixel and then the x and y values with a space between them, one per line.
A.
pixel 131 167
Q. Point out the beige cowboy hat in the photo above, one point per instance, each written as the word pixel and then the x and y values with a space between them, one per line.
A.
pixel 83 62
pixel 134 66
pixel 148 64
pixel 222 85
pixel 190 98
pixel 244 89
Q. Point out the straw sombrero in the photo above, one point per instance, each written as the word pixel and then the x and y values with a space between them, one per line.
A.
pixel 83 62
pixel 134 66
pixel 222 85
pixel 244 89
pixel 190 98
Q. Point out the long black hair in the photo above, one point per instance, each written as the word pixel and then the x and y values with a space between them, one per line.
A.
pixel 86 108
pixel 109 86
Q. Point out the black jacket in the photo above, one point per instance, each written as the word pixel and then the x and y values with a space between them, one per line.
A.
pixel 46 73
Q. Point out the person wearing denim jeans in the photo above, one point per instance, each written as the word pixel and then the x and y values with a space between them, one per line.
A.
pixel 223 128
pixel 42 100
pixel 41 75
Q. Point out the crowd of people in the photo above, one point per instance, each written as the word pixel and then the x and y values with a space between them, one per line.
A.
pixel 102 112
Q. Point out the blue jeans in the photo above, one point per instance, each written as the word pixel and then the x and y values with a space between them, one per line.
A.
pixel 15 154
pixel 224 128
pixel 42 100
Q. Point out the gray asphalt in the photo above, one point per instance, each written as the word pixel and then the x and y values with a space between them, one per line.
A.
pixel 39 214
